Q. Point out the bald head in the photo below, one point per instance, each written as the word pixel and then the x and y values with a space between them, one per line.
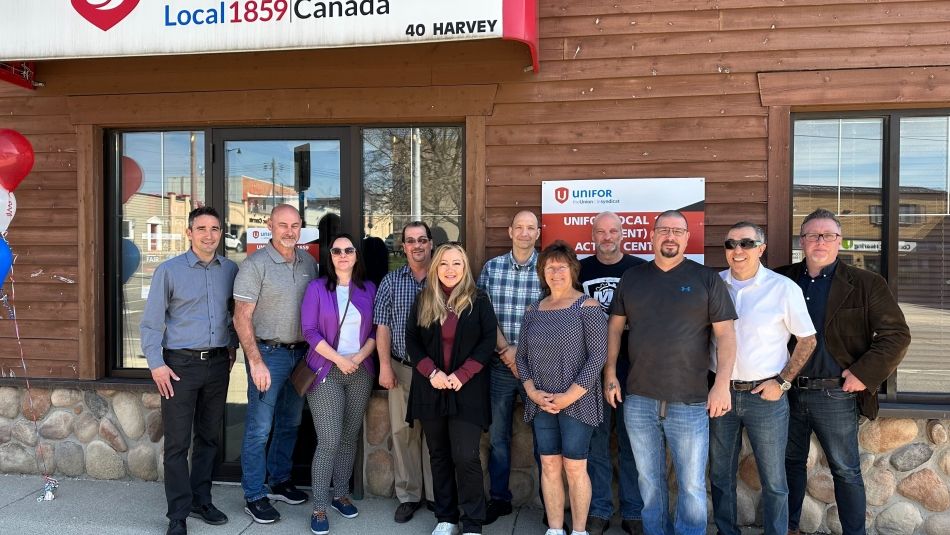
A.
pixel 524 233
pixel 284 224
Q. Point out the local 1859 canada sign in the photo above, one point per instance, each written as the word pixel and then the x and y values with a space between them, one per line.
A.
pixel 103 28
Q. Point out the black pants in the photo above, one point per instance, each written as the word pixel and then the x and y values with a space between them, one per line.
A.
pixel 457 481
pixel 198 403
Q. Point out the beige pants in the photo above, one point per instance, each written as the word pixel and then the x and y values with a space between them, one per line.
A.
pixel 410 452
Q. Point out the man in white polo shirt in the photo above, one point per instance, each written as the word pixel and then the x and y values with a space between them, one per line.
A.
pixel 771 309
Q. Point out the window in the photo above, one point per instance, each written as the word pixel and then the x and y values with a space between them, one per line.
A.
pixel 887 176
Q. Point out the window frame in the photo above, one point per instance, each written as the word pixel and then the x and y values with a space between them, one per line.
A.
pixel 894 402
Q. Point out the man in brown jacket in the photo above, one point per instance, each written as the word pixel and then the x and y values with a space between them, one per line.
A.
pixel 862 337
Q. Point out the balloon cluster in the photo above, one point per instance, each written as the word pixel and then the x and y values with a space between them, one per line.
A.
pixel 16 161
pixel 131 182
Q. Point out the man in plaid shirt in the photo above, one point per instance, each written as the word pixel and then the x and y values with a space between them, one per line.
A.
pixel 397 291
pixel 511 282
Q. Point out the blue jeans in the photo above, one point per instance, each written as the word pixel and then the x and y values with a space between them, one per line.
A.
pixel 600 466
pixel 560 434
pixel 503 388
pixel 686 429
pixel 833 415
pixel 280 410
pixel 767 425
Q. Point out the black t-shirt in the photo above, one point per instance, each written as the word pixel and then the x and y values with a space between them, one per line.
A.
pixel 599 281
pixel 670 316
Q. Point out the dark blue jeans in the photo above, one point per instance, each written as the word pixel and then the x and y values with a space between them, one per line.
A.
pixel 767 425
pixel 503 388
pixel 833 415
pixel 600 465
pixel 280 411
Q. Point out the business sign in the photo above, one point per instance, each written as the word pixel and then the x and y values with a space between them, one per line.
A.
pixel 54 29
pixel 568 208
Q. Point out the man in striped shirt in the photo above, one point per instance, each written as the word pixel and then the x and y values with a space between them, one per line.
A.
pixel 511 282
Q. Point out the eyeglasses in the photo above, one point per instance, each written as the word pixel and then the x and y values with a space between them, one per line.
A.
pixel 666 231
pixel 413 241
pixel 813 237
pixel 556 269
pixel 745 243
pixel 336 251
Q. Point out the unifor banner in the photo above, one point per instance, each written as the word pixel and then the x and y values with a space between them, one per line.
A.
pixel 568 208
pixel 58 29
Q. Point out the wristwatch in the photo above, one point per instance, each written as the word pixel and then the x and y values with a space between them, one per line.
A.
pixel 782 383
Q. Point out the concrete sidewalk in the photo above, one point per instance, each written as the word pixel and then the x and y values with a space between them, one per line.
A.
pixel 96 507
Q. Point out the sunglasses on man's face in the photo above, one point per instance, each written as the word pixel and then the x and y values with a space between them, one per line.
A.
pixel 337 251
pixel 745 243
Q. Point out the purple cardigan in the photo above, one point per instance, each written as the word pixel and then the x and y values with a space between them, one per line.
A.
pixel 320 320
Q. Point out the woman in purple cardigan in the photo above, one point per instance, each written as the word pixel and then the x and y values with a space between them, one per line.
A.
pixel 337 320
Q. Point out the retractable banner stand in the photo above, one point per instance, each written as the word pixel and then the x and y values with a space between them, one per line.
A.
pixel 59 29
pixel 568 208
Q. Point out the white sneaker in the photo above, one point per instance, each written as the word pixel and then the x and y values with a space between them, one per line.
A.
pixel 552 531
pixel 445 528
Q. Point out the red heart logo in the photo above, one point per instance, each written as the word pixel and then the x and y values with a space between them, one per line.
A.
pixel 104 14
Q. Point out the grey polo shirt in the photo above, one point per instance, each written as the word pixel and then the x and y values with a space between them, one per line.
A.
pixel 276 286
pixel 187 307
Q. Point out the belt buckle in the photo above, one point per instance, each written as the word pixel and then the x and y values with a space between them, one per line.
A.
pixel 204 355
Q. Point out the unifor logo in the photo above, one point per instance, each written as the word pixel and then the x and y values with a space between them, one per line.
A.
pixel 104 14
pixel 561 195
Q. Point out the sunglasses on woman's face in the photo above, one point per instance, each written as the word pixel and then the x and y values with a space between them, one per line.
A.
pixel 337 251
pixel 745 243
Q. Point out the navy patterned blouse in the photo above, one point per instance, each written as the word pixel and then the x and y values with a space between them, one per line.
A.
pixel 561 347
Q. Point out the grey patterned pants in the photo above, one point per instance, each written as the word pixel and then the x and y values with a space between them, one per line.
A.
pixel 337 405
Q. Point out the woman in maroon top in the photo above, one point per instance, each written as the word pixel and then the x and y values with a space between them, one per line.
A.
pixel 450 336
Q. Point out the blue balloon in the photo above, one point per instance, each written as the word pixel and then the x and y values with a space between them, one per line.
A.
pixel 6 260
pixel 130 260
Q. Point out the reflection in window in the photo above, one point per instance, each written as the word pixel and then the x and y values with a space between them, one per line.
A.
pixel 838 165
pixel 160 178
pixel 923 274
pixel 412 174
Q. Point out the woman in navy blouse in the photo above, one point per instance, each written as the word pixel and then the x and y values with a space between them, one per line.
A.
pixel 561 353
pixel 337 321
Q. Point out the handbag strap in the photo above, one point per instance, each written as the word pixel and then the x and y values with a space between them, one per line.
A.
pixel 339 327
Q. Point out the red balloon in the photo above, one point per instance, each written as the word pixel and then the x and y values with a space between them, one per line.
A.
pixel 131 178
pixel 16 158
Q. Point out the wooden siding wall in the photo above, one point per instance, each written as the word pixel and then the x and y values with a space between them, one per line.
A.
pixel 646 88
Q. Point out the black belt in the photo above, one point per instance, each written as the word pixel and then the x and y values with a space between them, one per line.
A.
pixel 201 354
pixel 817 383
pixel 404 362
pixel 275 343
pixel 747 386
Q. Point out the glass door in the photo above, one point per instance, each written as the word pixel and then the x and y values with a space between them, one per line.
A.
pixel 260 169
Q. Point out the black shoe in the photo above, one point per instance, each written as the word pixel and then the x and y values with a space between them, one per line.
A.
pixel 177 527
pixel 632 527
pixel 209 513
pixel 495 509
pixel 597 525
pixel 262 511
pixel 287 493
pixel 405 511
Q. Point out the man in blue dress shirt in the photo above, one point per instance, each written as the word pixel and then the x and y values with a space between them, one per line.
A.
pixel 190 343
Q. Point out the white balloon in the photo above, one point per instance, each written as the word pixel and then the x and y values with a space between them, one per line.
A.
pixel 7 208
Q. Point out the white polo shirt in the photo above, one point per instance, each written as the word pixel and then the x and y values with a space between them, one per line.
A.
pixel 771 310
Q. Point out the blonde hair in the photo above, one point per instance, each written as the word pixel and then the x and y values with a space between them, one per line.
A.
pixel 432 302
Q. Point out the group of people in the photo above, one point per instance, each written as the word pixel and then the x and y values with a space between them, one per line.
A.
pixel 668 354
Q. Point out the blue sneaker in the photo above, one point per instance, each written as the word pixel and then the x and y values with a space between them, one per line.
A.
pixel 345 507
pixel 319 524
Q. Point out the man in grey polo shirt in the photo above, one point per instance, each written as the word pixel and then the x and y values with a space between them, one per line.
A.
pixel 267 294
pixel 189 344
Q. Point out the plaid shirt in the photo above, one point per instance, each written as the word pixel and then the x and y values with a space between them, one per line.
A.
pixel 511 288
pixel 394 298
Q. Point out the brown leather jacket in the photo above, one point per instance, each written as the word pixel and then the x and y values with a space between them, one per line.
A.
pixel 865 330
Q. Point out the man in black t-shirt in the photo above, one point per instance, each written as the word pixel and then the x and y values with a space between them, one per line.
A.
pixel 599 276
pixel 672 307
